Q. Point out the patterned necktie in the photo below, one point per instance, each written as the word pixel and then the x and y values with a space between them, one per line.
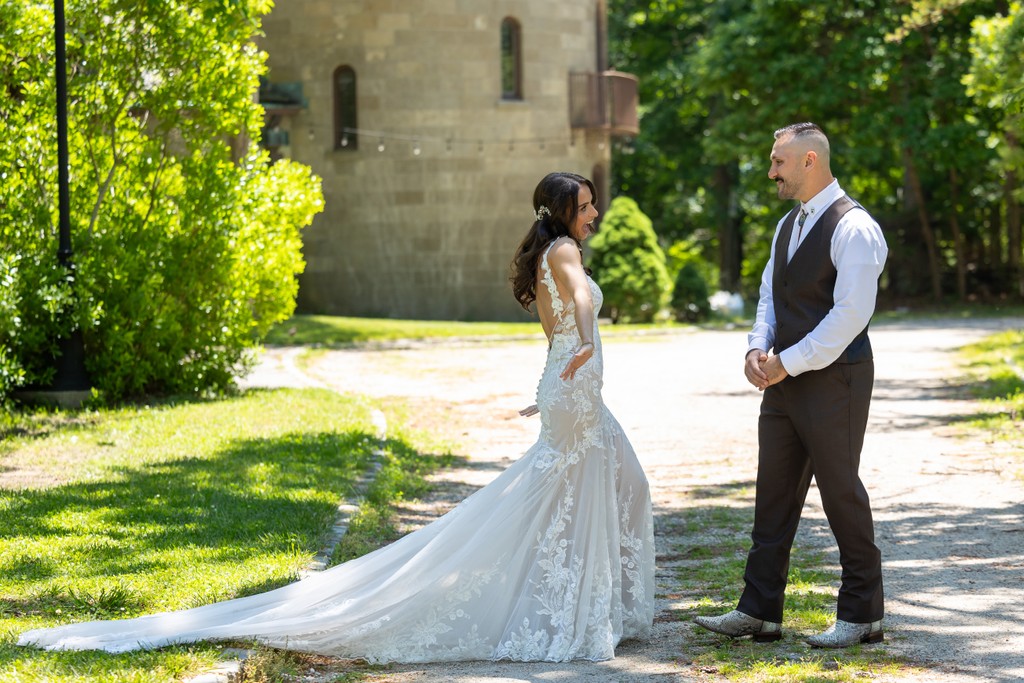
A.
pixel 800 223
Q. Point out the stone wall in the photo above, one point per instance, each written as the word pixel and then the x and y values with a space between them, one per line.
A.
pixel 426 227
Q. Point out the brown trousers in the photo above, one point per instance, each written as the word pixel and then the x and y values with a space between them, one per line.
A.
pixel 813 425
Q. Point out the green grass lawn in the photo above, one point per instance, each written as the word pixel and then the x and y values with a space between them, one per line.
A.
pixel 117 513
pixel 303 330
pixel 946 310
pixel 325 330
pixel 997 365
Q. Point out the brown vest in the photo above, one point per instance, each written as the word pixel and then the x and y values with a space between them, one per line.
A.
pixel 802 290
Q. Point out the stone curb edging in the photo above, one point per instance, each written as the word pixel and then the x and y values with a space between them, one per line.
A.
pixel 230 670
pixel 346 510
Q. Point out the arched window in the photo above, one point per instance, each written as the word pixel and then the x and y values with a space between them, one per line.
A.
pixel 511 60
pixel 345 108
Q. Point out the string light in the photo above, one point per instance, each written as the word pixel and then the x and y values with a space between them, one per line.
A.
pixel 419 142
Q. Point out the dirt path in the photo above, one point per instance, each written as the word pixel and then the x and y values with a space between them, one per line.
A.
pixel 950 526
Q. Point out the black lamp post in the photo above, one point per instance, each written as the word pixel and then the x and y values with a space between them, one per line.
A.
pixel 70 383
pixel 63 193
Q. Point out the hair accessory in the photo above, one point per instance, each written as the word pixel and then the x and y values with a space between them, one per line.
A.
pixel 541 212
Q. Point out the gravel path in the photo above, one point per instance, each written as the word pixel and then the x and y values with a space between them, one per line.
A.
pixel 949 522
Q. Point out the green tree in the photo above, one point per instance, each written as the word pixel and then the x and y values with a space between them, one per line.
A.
pixel 628 264
pixel 947 190
pixel 996 81
pixel 885 81
pixel 11 373
pixel 186 236
pixel 690 295
pixel 665 168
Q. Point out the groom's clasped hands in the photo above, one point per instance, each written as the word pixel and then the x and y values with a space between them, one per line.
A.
pixel 763 370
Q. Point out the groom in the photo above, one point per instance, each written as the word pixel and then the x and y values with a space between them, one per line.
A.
pixel 817 296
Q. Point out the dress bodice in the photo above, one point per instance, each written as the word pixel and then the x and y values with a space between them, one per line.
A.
pixel 564 334
pixel 571 409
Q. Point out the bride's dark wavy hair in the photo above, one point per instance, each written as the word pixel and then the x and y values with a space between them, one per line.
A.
pixel 559 194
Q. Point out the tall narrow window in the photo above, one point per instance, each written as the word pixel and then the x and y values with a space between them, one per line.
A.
pixel 345 122
pixel 511 60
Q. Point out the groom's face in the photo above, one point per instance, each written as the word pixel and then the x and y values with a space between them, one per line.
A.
pixel 786 169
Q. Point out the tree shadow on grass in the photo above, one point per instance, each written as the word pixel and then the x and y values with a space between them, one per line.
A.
pixel 256 498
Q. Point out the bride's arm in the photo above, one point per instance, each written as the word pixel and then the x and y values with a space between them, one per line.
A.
pixel 567 267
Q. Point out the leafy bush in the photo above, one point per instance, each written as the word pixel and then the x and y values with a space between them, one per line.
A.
pixel 692 251
pixel 690 295
pixel 693 276
pixel 186 237
pixel 628 264
pixel 11 372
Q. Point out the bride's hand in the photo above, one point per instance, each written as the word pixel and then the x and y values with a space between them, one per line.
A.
pixel 530 411
pixel 582 355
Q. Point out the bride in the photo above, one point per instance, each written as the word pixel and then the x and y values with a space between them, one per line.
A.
pixel 552 561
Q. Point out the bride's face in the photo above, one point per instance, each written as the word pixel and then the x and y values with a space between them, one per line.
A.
pixel 586 213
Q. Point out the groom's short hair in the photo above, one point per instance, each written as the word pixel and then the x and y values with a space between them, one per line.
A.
pixel 811 134
pixel 800 130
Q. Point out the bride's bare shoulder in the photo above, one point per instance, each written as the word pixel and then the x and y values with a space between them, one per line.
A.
pixel 564 250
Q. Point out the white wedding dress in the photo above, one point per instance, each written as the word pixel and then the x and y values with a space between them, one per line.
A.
pixel 552 561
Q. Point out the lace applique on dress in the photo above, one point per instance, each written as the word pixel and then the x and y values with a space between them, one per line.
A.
pixel 551 561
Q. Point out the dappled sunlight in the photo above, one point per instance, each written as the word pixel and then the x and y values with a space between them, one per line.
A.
pixel 951 572
pixel 888 389
pixel 156 518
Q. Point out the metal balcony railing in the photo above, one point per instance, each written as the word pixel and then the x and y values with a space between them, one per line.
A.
pixel 604 101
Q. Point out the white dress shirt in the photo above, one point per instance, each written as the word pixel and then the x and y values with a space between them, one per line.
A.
pixel 858 253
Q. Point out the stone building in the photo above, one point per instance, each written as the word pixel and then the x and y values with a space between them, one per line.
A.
pixel 430 123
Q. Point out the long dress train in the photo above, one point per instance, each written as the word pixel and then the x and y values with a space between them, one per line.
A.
pixel 552 561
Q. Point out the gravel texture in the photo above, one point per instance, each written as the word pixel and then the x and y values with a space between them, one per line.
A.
pixel 949 516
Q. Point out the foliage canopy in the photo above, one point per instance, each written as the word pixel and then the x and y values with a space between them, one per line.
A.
pixel 186 237
pixel 921 101
pixel 628 264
